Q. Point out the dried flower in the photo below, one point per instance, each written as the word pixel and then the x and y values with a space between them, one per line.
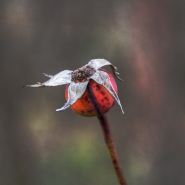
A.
pixel 103 83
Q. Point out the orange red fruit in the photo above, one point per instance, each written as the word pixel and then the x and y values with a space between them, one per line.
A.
pixel 85 107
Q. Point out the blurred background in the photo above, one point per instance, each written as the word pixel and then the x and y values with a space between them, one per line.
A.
pixel 144 39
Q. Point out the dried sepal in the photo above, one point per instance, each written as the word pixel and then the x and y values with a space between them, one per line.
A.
pixel 48 75
pixel 102 78
pixel 61 78
pixel 115 72
pixel 38 84
pixel 75 91
pixel 98 63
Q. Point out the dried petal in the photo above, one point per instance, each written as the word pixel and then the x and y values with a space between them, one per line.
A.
pixel 75 91
pixel 97 63
pixel 61 78
pixel 102 78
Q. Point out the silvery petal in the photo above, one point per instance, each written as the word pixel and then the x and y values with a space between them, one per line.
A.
pixel 75 91
pixel 102 78
pixel 98 63
pixel 61 78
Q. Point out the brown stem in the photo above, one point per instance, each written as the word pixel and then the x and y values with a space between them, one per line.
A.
pixel 108 139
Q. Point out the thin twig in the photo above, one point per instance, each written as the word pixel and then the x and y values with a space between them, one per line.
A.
pixel 108 139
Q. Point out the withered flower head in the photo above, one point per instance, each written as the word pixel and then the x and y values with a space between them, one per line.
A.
pixel 79 79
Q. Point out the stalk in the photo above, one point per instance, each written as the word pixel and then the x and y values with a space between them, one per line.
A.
pixel 108 139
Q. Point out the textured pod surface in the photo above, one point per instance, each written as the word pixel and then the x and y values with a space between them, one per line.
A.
pixel 84 106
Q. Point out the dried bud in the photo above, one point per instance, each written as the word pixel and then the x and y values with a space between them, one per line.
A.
pixel 102 83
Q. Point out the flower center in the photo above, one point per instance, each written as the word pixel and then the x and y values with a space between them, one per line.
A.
pixel 82 74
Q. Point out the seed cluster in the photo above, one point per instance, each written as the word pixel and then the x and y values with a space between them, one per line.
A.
pixel 82 74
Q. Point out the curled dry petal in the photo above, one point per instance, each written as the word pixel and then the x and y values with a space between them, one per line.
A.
pixel 61 78
pixel 75 91
pixel 102 78
pixel 98 63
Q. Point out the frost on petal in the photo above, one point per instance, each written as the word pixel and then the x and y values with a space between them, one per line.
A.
pixel 102 78
pixel 98 63
pixel 61 78
pixel 75 91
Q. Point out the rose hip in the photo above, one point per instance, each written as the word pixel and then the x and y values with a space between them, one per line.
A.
pixel 84 106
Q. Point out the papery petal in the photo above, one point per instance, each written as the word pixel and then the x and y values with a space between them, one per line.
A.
pixel 75 91
pixel 98 63
pixel 61 78
pixel 102 78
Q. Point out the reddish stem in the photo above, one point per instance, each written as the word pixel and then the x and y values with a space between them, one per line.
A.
pixel 108 139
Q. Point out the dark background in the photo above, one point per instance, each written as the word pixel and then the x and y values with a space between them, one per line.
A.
pixel 144 39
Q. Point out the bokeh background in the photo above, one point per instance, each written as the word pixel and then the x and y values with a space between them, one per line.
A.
pixel 144 39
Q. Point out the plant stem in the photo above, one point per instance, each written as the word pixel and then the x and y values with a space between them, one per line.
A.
pixel 112 149
pixel 108 139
